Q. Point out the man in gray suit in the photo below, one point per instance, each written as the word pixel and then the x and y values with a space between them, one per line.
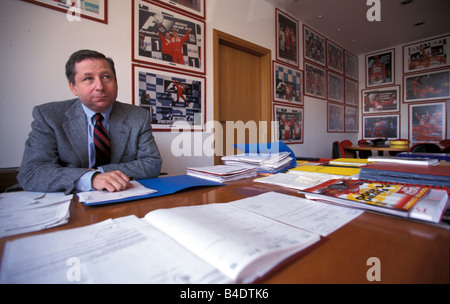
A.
pixel 60 152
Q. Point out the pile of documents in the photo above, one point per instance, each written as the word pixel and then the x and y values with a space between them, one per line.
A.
pixel 263 162
pixel 222 173
pixel 22 211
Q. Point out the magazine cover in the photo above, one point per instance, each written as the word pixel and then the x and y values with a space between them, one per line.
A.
pixel 389 195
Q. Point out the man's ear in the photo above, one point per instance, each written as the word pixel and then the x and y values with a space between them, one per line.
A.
pixel 72 88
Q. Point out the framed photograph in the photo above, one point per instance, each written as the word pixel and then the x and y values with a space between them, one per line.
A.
pixel 314 46
pixel 335 57
pixel 336 118
pixel 168 39
pixel 335 87
pixel 427 122
pixel 287 38
pixel 170 97
pixel 351 120
pixel 384 126
pixel 426 55
pixel 427 86
pixel 195 7
pixel 381 100
pixel 315 81
pixel 380 68
pixel 288 84
pixel 289 124
pixel 96 10
pixel 351 66
pixel 351 93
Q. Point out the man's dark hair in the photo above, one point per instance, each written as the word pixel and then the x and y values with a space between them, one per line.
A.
pixel 82 55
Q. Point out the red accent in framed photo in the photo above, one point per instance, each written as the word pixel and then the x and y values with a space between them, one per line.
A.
pixel 382 126
pixel 381 100
pixel 289 127
pixel 427 122
pixel 426 55
pixel 351 119
pixel 287 42
pixel 427 86
pixel 335 118
pixel 380 68
pixel 315 81
pixel 166 38
pixel 175 101
pixel 287 84
pixel 351 66
pixel 314 46
pixel 335 57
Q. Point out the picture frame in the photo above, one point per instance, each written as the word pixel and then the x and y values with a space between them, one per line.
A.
pixel 170 97
pixel 95 10
pixel 351 119
pixel 287 84
pixel 381 100
pixel 427 122
pixel 351 65
pixel 380 68
pixel 153 25
pixel 426 55
pixel 335 87
pixel 289 126
pixel 335 118
pixel 314 46
pixel 427 86
pixel 287 41
pixel 381 126
pixel 194 7
pixel 351 93
pixel 335 57
pixel 315 81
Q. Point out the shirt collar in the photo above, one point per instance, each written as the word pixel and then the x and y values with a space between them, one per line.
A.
pixel 89 113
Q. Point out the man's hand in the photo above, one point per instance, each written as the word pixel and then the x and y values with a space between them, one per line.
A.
pixel 111 181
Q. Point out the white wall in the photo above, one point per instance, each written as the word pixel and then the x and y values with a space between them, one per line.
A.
pixel 36 43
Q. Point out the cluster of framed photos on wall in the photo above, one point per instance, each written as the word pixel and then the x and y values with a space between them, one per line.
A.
pixel 426 80
pixel 329 73
pixel 168 54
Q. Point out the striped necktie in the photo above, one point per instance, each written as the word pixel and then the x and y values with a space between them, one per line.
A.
pixel 101 142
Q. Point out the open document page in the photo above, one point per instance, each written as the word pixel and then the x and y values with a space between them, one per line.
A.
pixel 241 244
pixel 124 250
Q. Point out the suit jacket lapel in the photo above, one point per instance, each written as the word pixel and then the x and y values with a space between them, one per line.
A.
pixel 119 131
pixel 77 133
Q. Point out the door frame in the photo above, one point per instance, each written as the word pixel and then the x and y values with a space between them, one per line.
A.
pixel 265 55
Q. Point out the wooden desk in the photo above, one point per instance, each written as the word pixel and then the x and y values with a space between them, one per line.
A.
pixel 409 252
pixel 380 149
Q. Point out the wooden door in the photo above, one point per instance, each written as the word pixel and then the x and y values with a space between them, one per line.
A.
pixel 242 93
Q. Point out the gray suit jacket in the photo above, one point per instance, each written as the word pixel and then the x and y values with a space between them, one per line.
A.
pixel 56 152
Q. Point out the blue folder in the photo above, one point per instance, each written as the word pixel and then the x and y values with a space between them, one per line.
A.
pixel 165 185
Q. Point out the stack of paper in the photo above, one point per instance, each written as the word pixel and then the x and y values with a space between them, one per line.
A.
pixel 263 162
pixel 300 181
pixel 403 160
pixel 22 211
pixel 352 162
pixel 222 173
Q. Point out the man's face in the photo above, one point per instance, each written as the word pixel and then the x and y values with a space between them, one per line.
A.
pixel 95 84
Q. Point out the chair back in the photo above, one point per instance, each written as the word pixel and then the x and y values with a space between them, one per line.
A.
pixel 425 148
pixel 338 150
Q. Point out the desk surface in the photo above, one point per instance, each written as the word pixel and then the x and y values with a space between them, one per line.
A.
pixel 409 252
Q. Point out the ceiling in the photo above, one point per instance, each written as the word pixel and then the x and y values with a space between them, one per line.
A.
pixel 345 21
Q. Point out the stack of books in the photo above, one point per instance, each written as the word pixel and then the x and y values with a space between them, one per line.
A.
pixel 431 175
pixel 262 162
